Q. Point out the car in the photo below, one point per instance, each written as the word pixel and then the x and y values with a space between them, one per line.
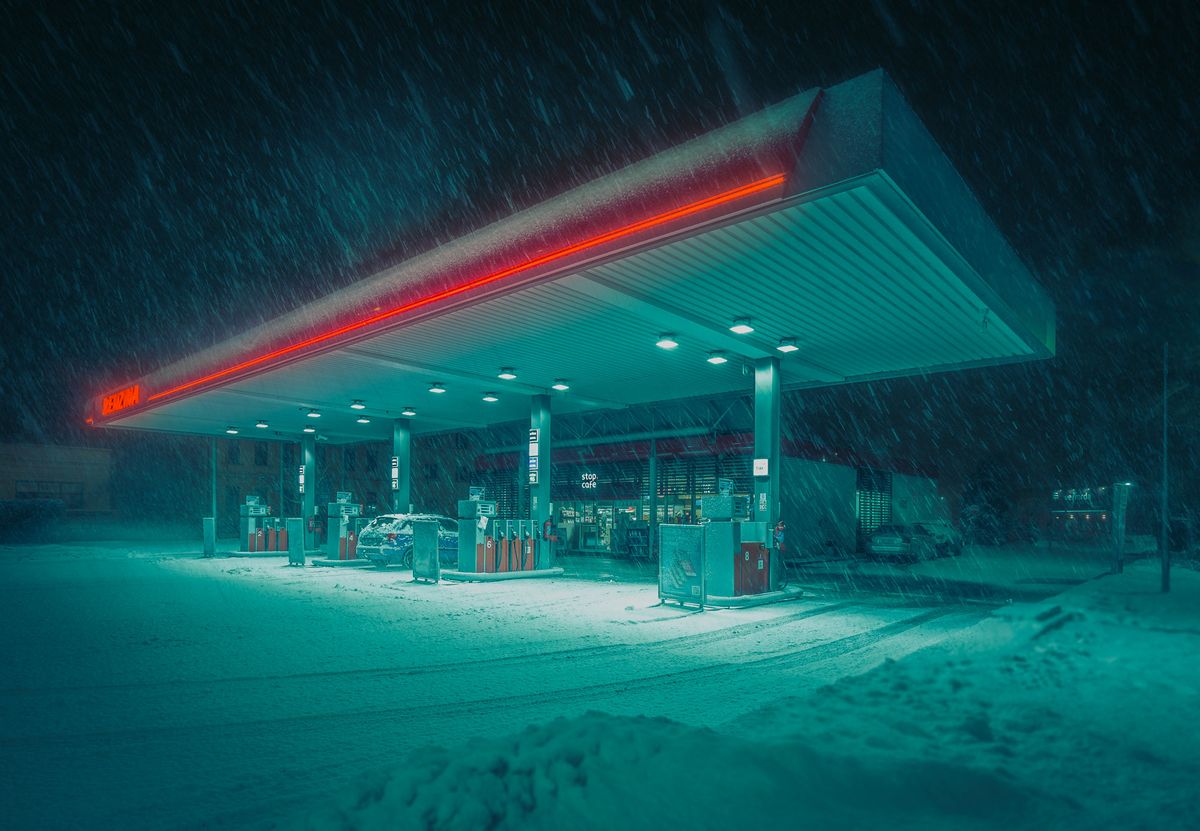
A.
pixel 916 540
pixel 947 539
pixel 388 540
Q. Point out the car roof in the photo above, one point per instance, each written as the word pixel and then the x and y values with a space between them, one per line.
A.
pixel 412 516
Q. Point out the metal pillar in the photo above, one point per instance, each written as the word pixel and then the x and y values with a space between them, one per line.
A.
pixel 308 500
pixel 767 407
pixel 539 491
pixel 401 474
pixel 1166 514
pixel 213 471
pixel 653 495
pixel 282 499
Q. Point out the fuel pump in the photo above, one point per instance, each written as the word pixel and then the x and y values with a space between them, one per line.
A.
pixel 339 543
pixel 251 517
pixel 476 535
pixel 528 545
pixel 503 547
pixel 549 538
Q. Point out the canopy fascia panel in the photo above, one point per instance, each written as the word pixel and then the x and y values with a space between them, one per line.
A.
pixel 832 218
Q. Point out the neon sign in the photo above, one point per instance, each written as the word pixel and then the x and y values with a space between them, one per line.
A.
pixel 121 399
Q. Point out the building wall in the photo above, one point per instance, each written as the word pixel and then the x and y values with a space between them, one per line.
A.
pixel 916 498
pixel 817 500
pixel 80 476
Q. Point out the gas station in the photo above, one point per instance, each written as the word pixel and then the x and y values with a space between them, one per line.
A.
pixel 824 240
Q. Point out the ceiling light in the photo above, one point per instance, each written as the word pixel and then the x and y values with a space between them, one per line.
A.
pixel 717 358
pixel 261 425
pixel 560 384
pixel 408 411
pixel 666 342
pixel 313 414
pixel 490 397
pixel 310 429
pixel 787 345
pixel 741 326
pixel 363 420
pixel 506 373
pixel 357 404
pixel 437 387
pixel 231 430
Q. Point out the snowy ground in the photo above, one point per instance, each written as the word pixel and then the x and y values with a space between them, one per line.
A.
pixel 152 690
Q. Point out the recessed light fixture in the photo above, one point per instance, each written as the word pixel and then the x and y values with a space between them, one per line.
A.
pixel 313 414
pixel 666 341
pixel 310 429
pixel 560 384
pixel 363 420
pixel 717 358
pixel 506 373
pixel 490 397
pixel 437 387
pixel 741 326
pixel 231 430
pixel 408 411
pixel 261 425
pixel 787 345
pixel 357 404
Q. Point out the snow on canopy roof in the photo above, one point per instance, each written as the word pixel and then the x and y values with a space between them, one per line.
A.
pixel 764 144
pixel 798 149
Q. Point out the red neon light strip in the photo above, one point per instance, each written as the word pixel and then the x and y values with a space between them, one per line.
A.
pixel 624 231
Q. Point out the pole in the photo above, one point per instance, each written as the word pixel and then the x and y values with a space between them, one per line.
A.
pixel 1166 520
pixel 213 483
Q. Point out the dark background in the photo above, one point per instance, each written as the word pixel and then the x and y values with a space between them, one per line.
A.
pixel 175 174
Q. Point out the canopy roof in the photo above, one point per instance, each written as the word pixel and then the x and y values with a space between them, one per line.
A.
pixel 831 218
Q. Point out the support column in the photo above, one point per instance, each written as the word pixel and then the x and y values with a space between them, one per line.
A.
pixel 308 499
pixel 653 496
pixel 539 491
pixel 401 474
pixel 213 471
pixel 767 408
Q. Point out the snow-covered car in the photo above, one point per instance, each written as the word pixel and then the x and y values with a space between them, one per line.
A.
pixel 388 540
pixel 915 541
pixel 947 539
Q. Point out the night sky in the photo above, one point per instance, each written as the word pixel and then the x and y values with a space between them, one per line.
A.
pixel 176 173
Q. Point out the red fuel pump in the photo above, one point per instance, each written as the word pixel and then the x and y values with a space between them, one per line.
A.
pixel 503 545
pixel 489 555
pixel 282 539
pixel 352 547
pixel 272 544
pixel 530 543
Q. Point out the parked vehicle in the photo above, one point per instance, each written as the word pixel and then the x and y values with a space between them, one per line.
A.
pixel 947 539
pixel 388 540
pixel 915 541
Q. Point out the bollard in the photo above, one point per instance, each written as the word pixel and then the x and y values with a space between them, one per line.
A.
pixel 294 537
pixel 210 536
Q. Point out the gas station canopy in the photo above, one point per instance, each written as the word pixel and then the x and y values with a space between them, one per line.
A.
pixel 831 222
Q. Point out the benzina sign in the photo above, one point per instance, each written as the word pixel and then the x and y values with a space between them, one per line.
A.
pixel 121 399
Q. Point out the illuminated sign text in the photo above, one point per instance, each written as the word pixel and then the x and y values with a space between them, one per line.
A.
pixel 121 399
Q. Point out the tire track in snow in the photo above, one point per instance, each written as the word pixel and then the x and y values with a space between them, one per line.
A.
pixel 736 631
pixel 456 709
